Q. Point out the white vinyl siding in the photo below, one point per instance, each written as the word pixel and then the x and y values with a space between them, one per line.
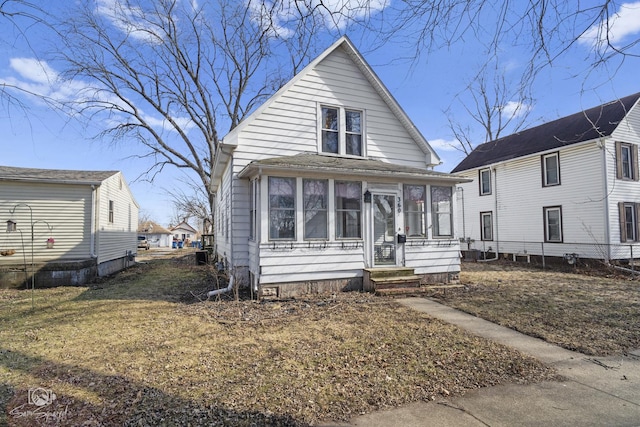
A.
pixel 518 198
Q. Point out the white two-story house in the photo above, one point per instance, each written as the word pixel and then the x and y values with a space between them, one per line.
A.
pixel 568 188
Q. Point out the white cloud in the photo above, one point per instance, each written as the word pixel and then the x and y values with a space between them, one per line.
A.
pixel 514 109
pixel 444 144
pixel 622 24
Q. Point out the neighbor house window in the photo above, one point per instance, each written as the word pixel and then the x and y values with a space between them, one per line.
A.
pixel 551 170
pixel 626 161
pixel 441 211
pixel 629 221
pixel 486 226
pixel 315 193
pixel 348 209
pixel 111 214
pixel 282 208
pixel 485 182
pixel 341 131
pixel 553 224
pixel 414 206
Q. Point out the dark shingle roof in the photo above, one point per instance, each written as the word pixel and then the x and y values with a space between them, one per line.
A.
pixel 9 173
pixel 308 162
pixel 568 130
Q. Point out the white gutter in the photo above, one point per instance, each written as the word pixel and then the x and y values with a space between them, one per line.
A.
pixel 221 291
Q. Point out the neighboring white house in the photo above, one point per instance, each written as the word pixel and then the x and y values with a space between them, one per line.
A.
pixel 568 188
pixel 326 180
pixel 184 233
pixel 83 222
pixel 156 235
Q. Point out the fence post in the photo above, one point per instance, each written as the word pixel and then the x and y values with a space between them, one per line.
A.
pixel 542 247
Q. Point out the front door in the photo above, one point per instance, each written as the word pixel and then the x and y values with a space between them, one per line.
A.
pixel 384 225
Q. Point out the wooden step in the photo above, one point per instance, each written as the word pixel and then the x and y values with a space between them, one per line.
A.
pixel 381 272
pixel 395 281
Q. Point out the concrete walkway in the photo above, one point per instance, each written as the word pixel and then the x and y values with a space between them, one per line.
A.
pixel 597 392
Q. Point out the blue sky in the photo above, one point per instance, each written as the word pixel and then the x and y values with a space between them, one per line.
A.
pixel 36 136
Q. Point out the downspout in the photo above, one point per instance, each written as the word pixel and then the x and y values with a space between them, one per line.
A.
pixel 94 221
pixel 495 198
pixel 222 291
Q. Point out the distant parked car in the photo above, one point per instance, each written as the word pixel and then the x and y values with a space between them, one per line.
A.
pixel 143 243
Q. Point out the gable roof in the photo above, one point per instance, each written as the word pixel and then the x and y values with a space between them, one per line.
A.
pixel 9 173
pixel 231 139
pixel 313 162
pixel 184 226
pixel 151 227
pixel 583 126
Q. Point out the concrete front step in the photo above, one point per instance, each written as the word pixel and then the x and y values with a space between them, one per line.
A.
pixel 400 291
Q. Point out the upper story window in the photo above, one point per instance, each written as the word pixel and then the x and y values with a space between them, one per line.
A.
pixel 551 170
pixel 626 161
pixel 111 211
pixel 342 131
pixel 485 182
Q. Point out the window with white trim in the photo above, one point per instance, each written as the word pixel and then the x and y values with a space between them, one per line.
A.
pixel 315 196
pixel 414 207
pixel 341 131
pixel 485 182
pixel 486 226
pixel 441 212
pixel 553 224
pixel 252 208
pixel 348 196
pixel 551 169
pixel 282 208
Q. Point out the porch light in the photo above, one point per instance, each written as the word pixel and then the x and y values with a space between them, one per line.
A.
pixel 367 196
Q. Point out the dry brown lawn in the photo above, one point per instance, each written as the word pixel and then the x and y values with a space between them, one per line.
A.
pixel 141 349
pixel 593 311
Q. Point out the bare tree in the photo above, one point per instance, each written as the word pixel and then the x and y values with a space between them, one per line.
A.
pixel 175 76
pixel 190 201
pixel 493 104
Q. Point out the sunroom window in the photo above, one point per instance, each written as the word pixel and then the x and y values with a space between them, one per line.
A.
pixel 315 208
pixel 414 207
pixel 441 211
pixel 348 210
pixel 282 208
